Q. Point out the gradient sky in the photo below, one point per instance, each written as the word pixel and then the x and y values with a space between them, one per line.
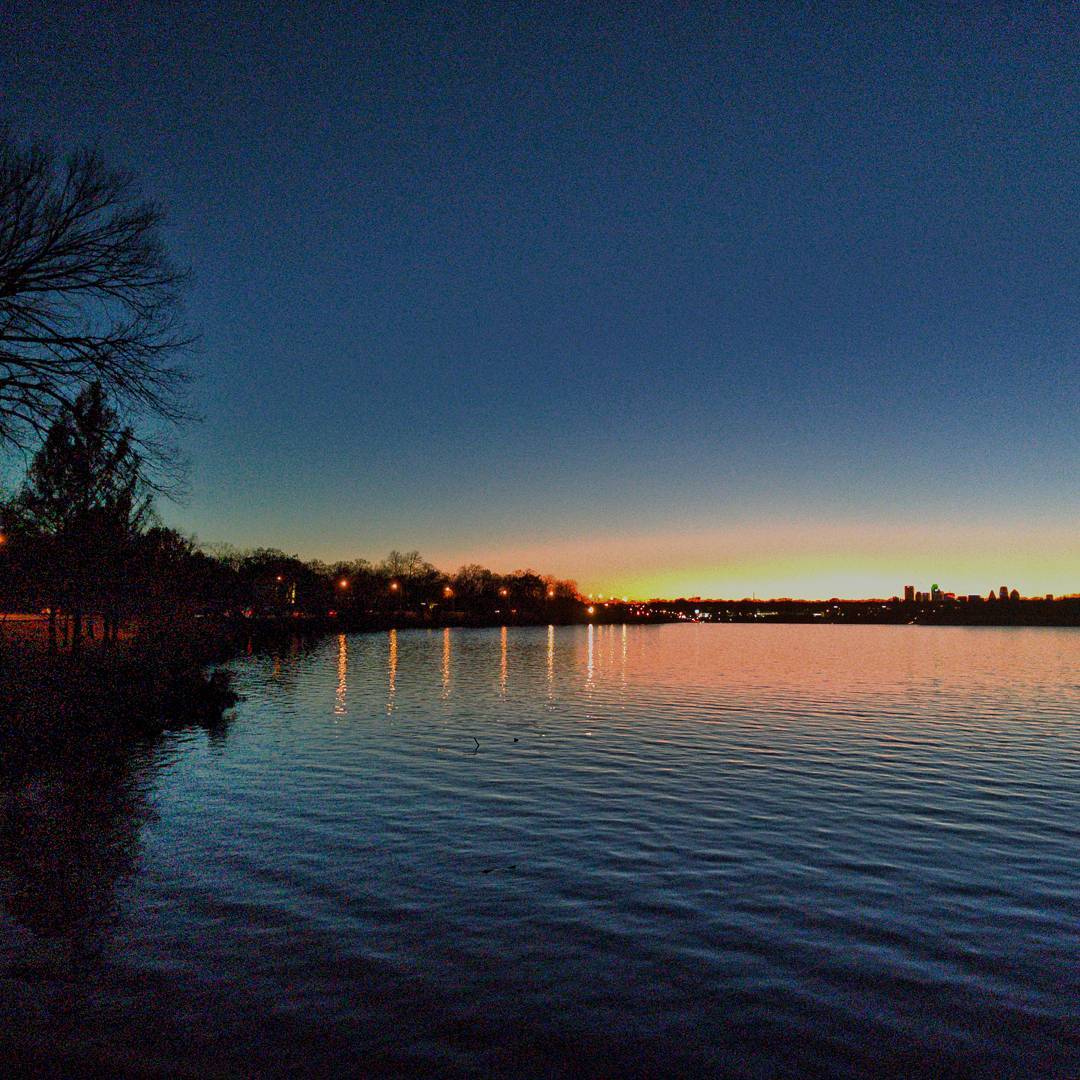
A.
pixel 667 298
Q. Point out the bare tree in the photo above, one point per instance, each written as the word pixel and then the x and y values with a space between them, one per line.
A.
pixel 87 293
pixel 405 564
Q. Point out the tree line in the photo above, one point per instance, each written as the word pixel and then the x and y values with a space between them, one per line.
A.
pixel 269 583
pixel 92 373
pixel 82 544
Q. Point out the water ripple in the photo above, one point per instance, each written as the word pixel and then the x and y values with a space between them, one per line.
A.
pixel 752 850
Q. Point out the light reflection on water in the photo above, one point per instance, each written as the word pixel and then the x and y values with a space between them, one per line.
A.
pixel 391 671
pixel 754 850
pixel 340 707
pixel 446 654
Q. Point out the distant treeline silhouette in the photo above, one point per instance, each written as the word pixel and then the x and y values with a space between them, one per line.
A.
pixel 269 583
pixel 82 545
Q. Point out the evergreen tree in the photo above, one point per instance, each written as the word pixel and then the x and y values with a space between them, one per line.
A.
pixel 86 496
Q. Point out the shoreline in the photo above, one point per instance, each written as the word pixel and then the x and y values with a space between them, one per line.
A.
pixel 1056 613
pixel 169 675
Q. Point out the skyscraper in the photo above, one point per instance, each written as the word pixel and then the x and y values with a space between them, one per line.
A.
pixel 909 594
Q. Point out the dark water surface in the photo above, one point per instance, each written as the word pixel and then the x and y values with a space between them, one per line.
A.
pixel 755 850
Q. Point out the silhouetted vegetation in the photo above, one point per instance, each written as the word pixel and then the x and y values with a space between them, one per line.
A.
pixel 90 331
pixel 87 294
pixel 403 588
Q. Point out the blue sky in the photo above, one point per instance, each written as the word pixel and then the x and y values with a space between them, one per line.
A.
pixel 614 292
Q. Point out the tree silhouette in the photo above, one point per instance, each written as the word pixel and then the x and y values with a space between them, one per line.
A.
pixel 87 293
pixel 86 495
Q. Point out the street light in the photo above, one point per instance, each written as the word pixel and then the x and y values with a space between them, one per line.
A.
pixel 448 592
pixel 343 583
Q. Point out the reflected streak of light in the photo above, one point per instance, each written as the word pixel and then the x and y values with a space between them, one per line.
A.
pixel 623 665
pixel 340 708
pixel 590 663
pixel 391 666
pixel 446 662
pixel 502 663
pixel 551 661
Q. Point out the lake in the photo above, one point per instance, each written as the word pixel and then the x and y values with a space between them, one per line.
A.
pixel 741 850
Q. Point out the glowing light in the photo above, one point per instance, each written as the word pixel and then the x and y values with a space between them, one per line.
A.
pixel 591 610
pixel 393 586
pixel 448 592
pixel 504 592
pixel 551 593
pixel 343 583
pixel 280 578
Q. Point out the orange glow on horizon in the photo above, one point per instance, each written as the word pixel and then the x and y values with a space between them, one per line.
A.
pixel 804 560
pixel 773 558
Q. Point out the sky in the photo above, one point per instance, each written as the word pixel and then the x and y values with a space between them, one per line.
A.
pixel 718 300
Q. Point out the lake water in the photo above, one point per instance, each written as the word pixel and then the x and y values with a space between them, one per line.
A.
pixel 749 850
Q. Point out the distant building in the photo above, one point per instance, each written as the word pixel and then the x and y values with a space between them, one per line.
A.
pixel 909 594
pixel 992 596
pixel 1003 592
pixel 935 593
pixel 1049 596
pixel 976 598
pixel 1014 595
